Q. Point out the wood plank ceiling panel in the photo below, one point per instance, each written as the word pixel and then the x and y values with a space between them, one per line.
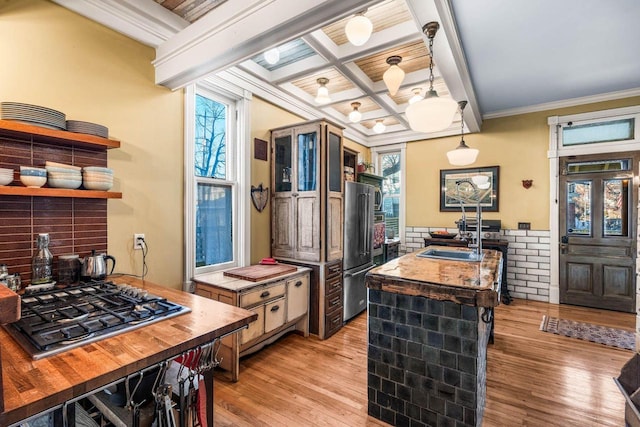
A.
pixel 190 10
pixel 415 56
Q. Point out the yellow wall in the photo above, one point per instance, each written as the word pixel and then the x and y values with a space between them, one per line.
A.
pixel 58 59
pixel 518 144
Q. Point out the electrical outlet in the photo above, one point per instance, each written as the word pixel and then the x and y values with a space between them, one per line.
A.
pixel 137 240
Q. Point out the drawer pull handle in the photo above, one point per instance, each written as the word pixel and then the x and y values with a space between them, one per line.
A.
pixel 335 301
pixel 298 283
pixel 264 294
pixel 335 321
pixel 275 308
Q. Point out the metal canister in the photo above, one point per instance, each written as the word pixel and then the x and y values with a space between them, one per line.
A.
pixel 68 269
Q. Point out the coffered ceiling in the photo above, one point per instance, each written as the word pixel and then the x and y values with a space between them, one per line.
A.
pixel 498 49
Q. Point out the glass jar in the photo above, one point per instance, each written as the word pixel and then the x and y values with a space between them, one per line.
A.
pixel 42 262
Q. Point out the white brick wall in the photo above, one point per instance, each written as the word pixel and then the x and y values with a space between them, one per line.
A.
pixel 528 259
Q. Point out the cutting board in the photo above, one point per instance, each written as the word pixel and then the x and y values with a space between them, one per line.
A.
pixel 9 305
pixel 256 273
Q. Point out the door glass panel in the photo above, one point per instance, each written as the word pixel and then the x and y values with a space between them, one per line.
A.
pixel 334 169
pixel 615 207
pixel 282 159
pixel 307 161
pixel 599 166
pixel 579 208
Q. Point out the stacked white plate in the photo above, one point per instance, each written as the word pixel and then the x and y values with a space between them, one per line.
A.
pixel 88 128
pixel 33 114
pixel 97 178
pixel 63 176
pixel 6 176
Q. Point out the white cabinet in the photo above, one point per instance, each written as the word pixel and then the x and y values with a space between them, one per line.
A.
pixel 282 305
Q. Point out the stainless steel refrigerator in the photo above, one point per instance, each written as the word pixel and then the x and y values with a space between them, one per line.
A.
pixel 358 245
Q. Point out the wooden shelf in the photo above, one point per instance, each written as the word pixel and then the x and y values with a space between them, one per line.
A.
pixel 58 192
pixel 16 129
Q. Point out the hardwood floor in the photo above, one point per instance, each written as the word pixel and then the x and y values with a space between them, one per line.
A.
pixel 533 379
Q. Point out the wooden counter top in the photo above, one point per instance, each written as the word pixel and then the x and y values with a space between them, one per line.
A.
pixel 234 284
pixel 464 282
pixel 32 386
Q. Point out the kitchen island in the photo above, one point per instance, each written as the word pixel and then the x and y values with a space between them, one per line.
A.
pixel 34 386
pixel 429 322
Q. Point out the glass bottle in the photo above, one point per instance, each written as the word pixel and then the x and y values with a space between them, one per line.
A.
pixel 42 263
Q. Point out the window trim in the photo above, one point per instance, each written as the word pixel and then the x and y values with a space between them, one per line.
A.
pixel 376 157
pixel 240 165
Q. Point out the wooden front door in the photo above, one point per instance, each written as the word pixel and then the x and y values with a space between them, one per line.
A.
pixel 597 230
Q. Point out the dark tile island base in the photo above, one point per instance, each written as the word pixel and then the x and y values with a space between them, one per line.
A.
pixel 427 342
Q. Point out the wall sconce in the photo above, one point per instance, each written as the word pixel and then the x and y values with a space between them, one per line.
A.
pixel 527 183
pixel 358 29
pixel 416 95
pixel 355 115
pixel 433 113
pixel 394 75
pixel 272 56
pixel 322 97
pixel 462 155
pixel 379 127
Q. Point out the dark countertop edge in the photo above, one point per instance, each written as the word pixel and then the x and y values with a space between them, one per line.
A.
pixel 465 296
pixel 57 399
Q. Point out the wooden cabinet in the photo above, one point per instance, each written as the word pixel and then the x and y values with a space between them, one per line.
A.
pixel 307 195
pixel 391 249
pixel 281 303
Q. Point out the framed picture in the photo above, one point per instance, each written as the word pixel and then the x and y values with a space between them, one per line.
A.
pixel 459 187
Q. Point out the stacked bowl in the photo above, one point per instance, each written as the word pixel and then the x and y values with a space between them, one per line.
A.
pixel 97 178
pixel 6 176
pixel 33 177
pixel 63 176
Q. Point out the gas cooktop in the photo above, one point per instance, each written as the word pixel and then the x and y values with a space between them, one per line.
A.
pixel 59 320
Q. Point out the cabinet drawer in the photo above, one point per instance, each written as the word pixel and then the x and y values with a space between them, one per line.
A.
pixel 263 294
pixel 255 328
pixel 333 285
pixel 334 269
pixel 333 301
pixel 297 297
pixel 333 323
pixel 274 315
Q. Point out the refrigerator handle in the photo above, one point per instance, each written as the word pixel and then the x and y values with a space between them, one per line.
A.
pixel 357 273
pixel 368 235
pixel 362 238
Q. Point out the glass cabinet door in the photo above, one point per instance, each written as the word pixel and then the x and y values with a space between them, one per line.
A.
pixel 334 169
pixel 307 161
pixel 282 163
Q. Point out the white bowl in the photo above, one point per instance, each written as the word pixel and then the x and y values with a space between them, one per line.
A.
pixel 64 183
pixel 97 178
pixel 32 171
pixel 96 185
pixel 63 175
pixel 6 180
pixel 62 166
pixel 62 170
pixel 33 181
pixel 98 169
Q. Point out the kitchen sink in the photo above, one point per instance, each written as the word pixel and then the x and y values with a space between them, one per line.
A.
pixel 450 255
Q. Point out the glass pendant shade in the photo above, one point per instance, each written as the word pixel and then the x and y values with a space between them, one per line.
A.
pixel 355 115
pixel 394 75
pixel 272 56
pixel 358 30
pixel 416 96
pixel 379 127
pixel 322 97
pixel 462 155
pixel 432 114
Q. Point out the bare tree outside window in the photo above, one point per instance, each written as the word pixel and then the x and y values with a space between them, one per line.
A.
pixel 210 147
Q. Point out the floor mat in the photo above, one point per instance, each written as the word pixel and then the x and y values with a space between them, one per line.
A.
pixel 589 332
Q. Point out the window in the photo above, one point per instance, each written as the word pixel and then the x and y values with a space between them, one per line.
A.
pixel 602 131
pixel 215 173
pixel 390 161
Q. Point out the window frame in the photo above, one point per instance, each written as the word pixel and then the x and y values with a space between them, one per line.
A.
pixel 376 157
pixel 238 168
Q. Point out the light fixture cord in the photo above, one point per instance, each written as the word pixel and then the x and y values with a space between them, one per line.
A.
pixel 462 124
pixel 430 64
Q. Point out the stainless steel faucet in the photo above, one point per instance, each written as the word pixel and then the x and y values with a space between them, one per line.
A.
pixel 476 242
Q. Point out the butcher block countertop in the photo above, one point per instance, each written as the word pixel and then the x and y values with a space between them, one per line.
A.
pixel 32 386
pixel 464 282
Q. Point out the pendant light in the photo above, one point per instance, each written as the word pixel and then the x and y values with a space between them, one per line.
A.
pixel 433 113
pixel 416 95
pixel 394 75
pixel 355 115
pixel 462 155
pixel 358 29
pixel 322 97
pixel 379 127
pixel 272 56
